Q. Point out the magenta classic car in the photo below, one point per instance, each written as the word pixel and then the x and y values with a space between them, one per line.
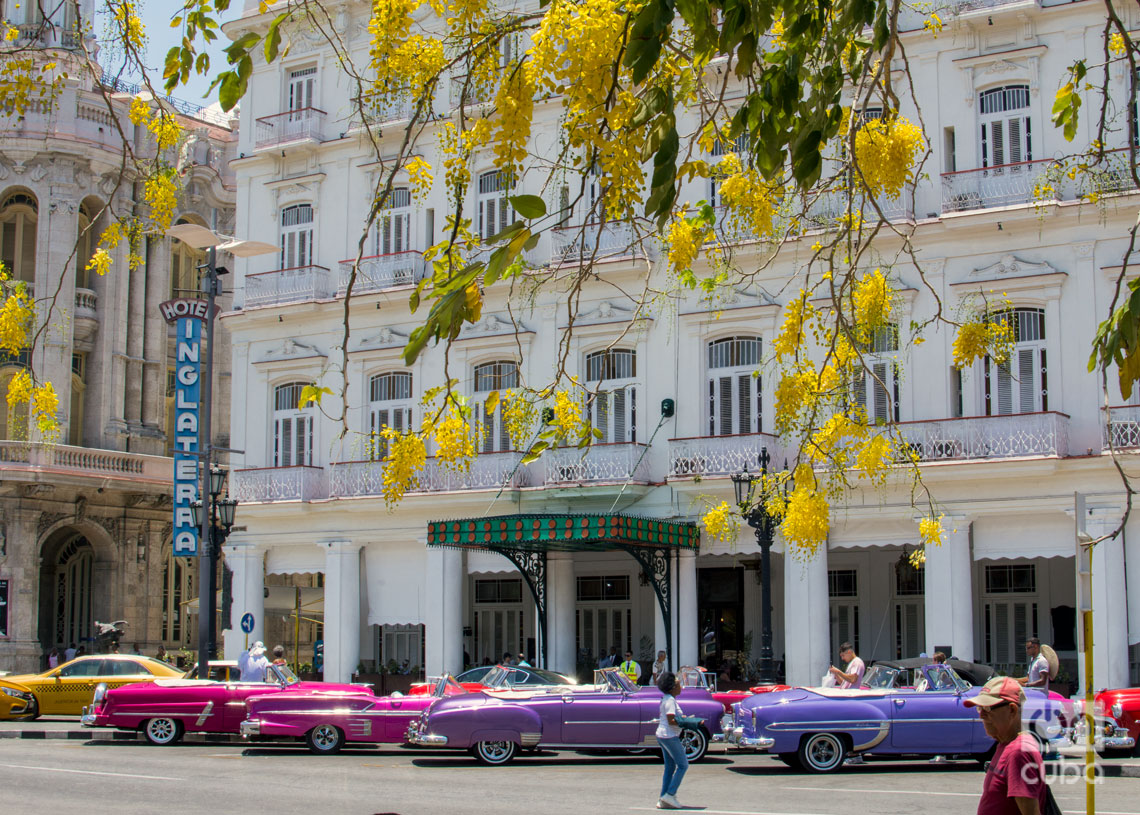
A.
pixel 327 723
pixel 815 729
pixel 166 709
pixel 611 713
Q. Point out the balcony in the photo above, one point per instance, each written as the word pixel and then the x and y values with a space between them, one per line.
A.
pixel 488 471
pixel 86 319
pixel 290 127
pixel 388 111
pixel 297 285
pixel 829 207
pixel 982 6
pixel 988 437
pixel 720 455
pixel 1121 427
pixel 379 272
pixel 266 484
pixel 595 242
pixel 477 93
pixel 62 460
pixel 598 463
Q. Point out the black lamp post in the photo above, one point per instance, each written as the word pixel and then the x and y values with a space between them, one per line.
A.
pixel 217 521
pixel 756 514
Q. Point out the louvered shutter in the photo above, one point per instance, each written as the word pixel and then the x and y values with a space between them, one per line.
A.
pixel 286 443
pixel 860 388
pixel 744 401
pixel 1027 386
pixel 620 425
pixel 379 443
pixel 1004 389
pixel 882 399
pixel 725 405
pixel 601 410
pixel 488 429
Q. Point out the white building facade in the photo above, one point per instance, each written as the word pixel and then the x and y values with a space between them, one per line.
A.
pixel 1002 451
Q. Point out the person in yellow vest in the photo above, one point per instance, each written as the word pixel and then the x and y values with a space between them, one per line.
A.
pixel 631 669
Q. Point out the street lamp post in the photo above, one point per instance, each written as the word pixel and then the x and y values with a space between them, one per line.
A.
pixel 199 237
pixel 757 517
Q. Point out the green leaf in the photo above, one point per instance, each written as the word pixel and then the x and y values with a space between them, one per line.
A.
pixel 534 452
pixel 506 233
pixel 491 402
pixel 240 47
pixel 273 37
pixel 528 206
pixel 231 90
pixel 311 393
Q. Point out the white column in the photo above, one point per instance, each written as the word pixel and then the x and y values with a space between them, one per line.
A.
pixel 247 562
pixel 685 608
pixel 1110 614
pixel 660 641
pixel 443 620
pixel 949 594
pixel 807 623
pixel 560 599
pixel 342 609
pixel 1132 563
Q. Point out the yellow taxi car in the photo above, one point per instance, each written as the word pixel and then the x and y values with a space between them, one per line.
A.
pixel 65 690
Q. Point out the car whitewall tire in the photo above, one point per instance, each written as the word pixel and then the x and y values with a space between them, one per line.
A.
pixel 162 731
pixel 325 739
pixel 494 753
pixel 822 752
pixel 696 744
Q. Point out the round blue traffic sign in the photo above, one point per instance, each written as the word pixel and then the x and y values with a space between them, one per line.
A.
pixel 247 622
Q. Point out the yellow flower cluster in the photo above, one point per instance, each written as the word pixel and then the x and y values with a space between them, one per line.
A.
pixel 885 152
pixel 161 195
pixel 721 522
pixel 100 262
pixel 792 333
pixel 420 177
pixel 41 401
pixel 833 442
pixel 454 442
pixel 930 531
pixel 807 517
pixel 515 107
pixel 934 25
pixel 751 202
pixel 406 458
pixel 1116 44
pixel 19 388
pixel 568 415
pixel 128 25
pixel 140 111
pixel 873 301
pixel 874 458
pixel 16 318
pixel 45 404
pixel 519 413
pixel 685 240
pixel 166 131
pixel 978 338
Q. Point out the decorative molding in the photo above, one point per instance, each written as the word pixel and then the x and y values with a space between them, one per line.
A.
pixel 1012 274
pixel 385 337
pixel 114 526
pixel 1010 266
pixel 38 490
pixel 291 349
pixel 492 325
pixel 297 181
pixel 606 312
pixel 47 520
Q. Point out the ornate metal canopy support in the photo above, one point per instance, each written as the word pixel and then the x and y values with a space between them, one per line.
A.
pixel 657 566
pixel 532 565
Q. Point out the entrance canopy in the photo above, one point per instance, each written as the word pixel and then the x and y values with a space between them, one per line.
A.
pixel 525 540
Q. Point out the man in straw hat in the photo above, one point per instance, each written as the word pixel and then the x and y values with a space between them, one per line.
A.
pixel 1015 779
pixel 253 664
pixel 1040 669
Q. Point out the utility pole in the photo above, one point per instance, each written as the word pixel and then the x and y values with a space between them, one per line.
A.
pixel 1085 608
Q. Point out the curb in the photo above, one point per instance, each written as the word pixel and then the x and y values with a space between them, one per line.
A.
pixel 117 735
pixel 1103 769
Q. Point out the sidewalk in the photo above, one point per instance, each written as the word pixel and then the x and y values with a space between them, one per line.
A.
pixel 68 727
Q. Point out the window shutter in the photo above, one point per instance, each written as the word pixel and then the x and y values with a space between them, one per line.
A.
pixel 620 427
pixel 725 406
pixel 998 139
pixel 1015 144
pixel 286 443
pixel 712 407
pixel 860 388
pixel 881 400
pixel 504 434
pixel 1044 383
pixel 488 429
pixel 1004 389
pixel 386 232
pixel 985 145
pixel 602 402
pixel 502 213
pixel 1028 385
pixel 744 399
pixel 632 414
pixel 895 389
pixel 1001 632
pixel 989 401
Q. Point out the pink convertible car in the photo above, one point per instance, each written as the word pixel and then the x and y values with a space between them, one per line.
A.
pixel 166 709
pixel 326 725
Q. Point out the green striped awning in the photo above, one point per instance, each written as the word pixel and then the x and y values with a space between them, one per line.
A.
pixel 563 533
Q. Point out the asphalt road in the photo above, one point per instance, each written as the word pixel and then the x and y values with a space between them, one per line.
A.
pixel 61 776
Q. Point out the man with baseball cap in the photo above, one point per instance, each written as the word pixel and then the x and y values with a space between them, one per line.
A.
pixel 1015 780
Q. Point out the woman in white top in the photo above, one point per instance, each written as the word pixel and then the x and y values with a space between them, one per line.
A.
pixel 669 737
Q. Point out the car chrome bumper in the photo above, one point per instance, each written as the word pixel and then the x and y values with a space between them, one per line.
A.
pixel 251 727
pixel 736 738
pixel 87 720
pixel 1121 741
pixel 427 740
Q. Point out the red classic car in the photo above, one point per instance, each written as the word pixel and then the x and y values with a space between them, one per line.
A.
pixel 700 678
pixel 166 709
pixel 357 717
pixel 1123 704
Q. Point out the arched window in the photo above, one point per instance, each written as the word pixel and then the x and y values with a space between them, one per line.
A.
pixel 494 211
pixel 1005 129
pixel 390 405
pixel 735 397
pixel 292 427
pixel 489 377
pixel 613 409
pixel 78 386
pixel 18 236
pixel 1020 383
pixel 393 231
pixel 876 386
pixel 178 586
pixel 73 591
pixel 87 240
pixel 14 420
pixel 297 236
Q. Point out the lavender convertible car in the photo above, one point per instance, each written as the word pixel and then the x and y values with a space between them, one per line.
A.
pixel 611 713
pixel 815 729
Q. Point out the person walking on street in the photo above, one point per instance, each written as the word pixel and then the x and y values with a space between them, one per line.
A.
pixel 658 667
pixel 669 738
pixel 53 659
pixel 631 669
pixel 253 664
pixel 69 653
pixel 1015 780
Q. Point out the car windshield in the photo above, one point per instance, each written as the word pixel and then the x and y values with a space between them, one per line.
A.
pixel 881 677
pixel 284 675
pixel 447 686
pixel 613 680
pixel 696 678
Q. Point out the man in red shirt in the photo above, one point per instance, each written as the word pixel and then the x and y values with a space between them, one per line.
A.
pixel 1015 781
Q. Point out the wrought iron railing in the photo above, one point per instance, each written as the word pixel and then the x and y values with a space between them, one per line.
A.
pixel 378 272
pixel 293 125
pixel 609 241
pixel 597 463
pixel 296 285
pixel 721 455
pixel 488 471
pixel 1001 186
pixel 266 484
pixel 1121 427
pixel 982 437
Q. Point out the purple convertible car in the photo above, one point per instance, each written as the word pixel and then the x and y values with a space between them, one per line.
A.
pixel 815 729
pixel 611 713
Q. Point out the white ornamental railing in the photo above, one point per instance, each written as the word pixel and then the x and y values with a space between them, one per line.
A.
pixel 488 471
pixel 964 6
pixel 1121 427
pixel 1000 186
pixel 580 244
pixel 721 455
pixel 1019 434
pixel 264 484
pixel 829 207
pixel 85 460
pixel 296 285
pixel 291 126
pixel 597 463
pixel 378 272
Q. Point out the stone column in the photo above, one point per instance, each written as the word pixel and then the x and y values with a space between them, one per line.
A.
pixel 1110 612
pixel 56 232
pixel 22 649
pixel 154 347
pixel 560 599
pixel 949 592
pixel 660 641
pixel 1132 579
pixel 443 619
pixel 342 609
pixel 685 608
pixel 807 619
pixel 247 561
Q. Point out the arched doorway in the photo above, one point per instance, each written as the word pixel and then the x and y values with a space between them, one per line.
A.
pixel 67 590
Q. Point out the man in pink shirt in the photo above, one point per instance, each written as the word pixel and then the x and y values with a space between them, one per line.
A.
pixel 1015 781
